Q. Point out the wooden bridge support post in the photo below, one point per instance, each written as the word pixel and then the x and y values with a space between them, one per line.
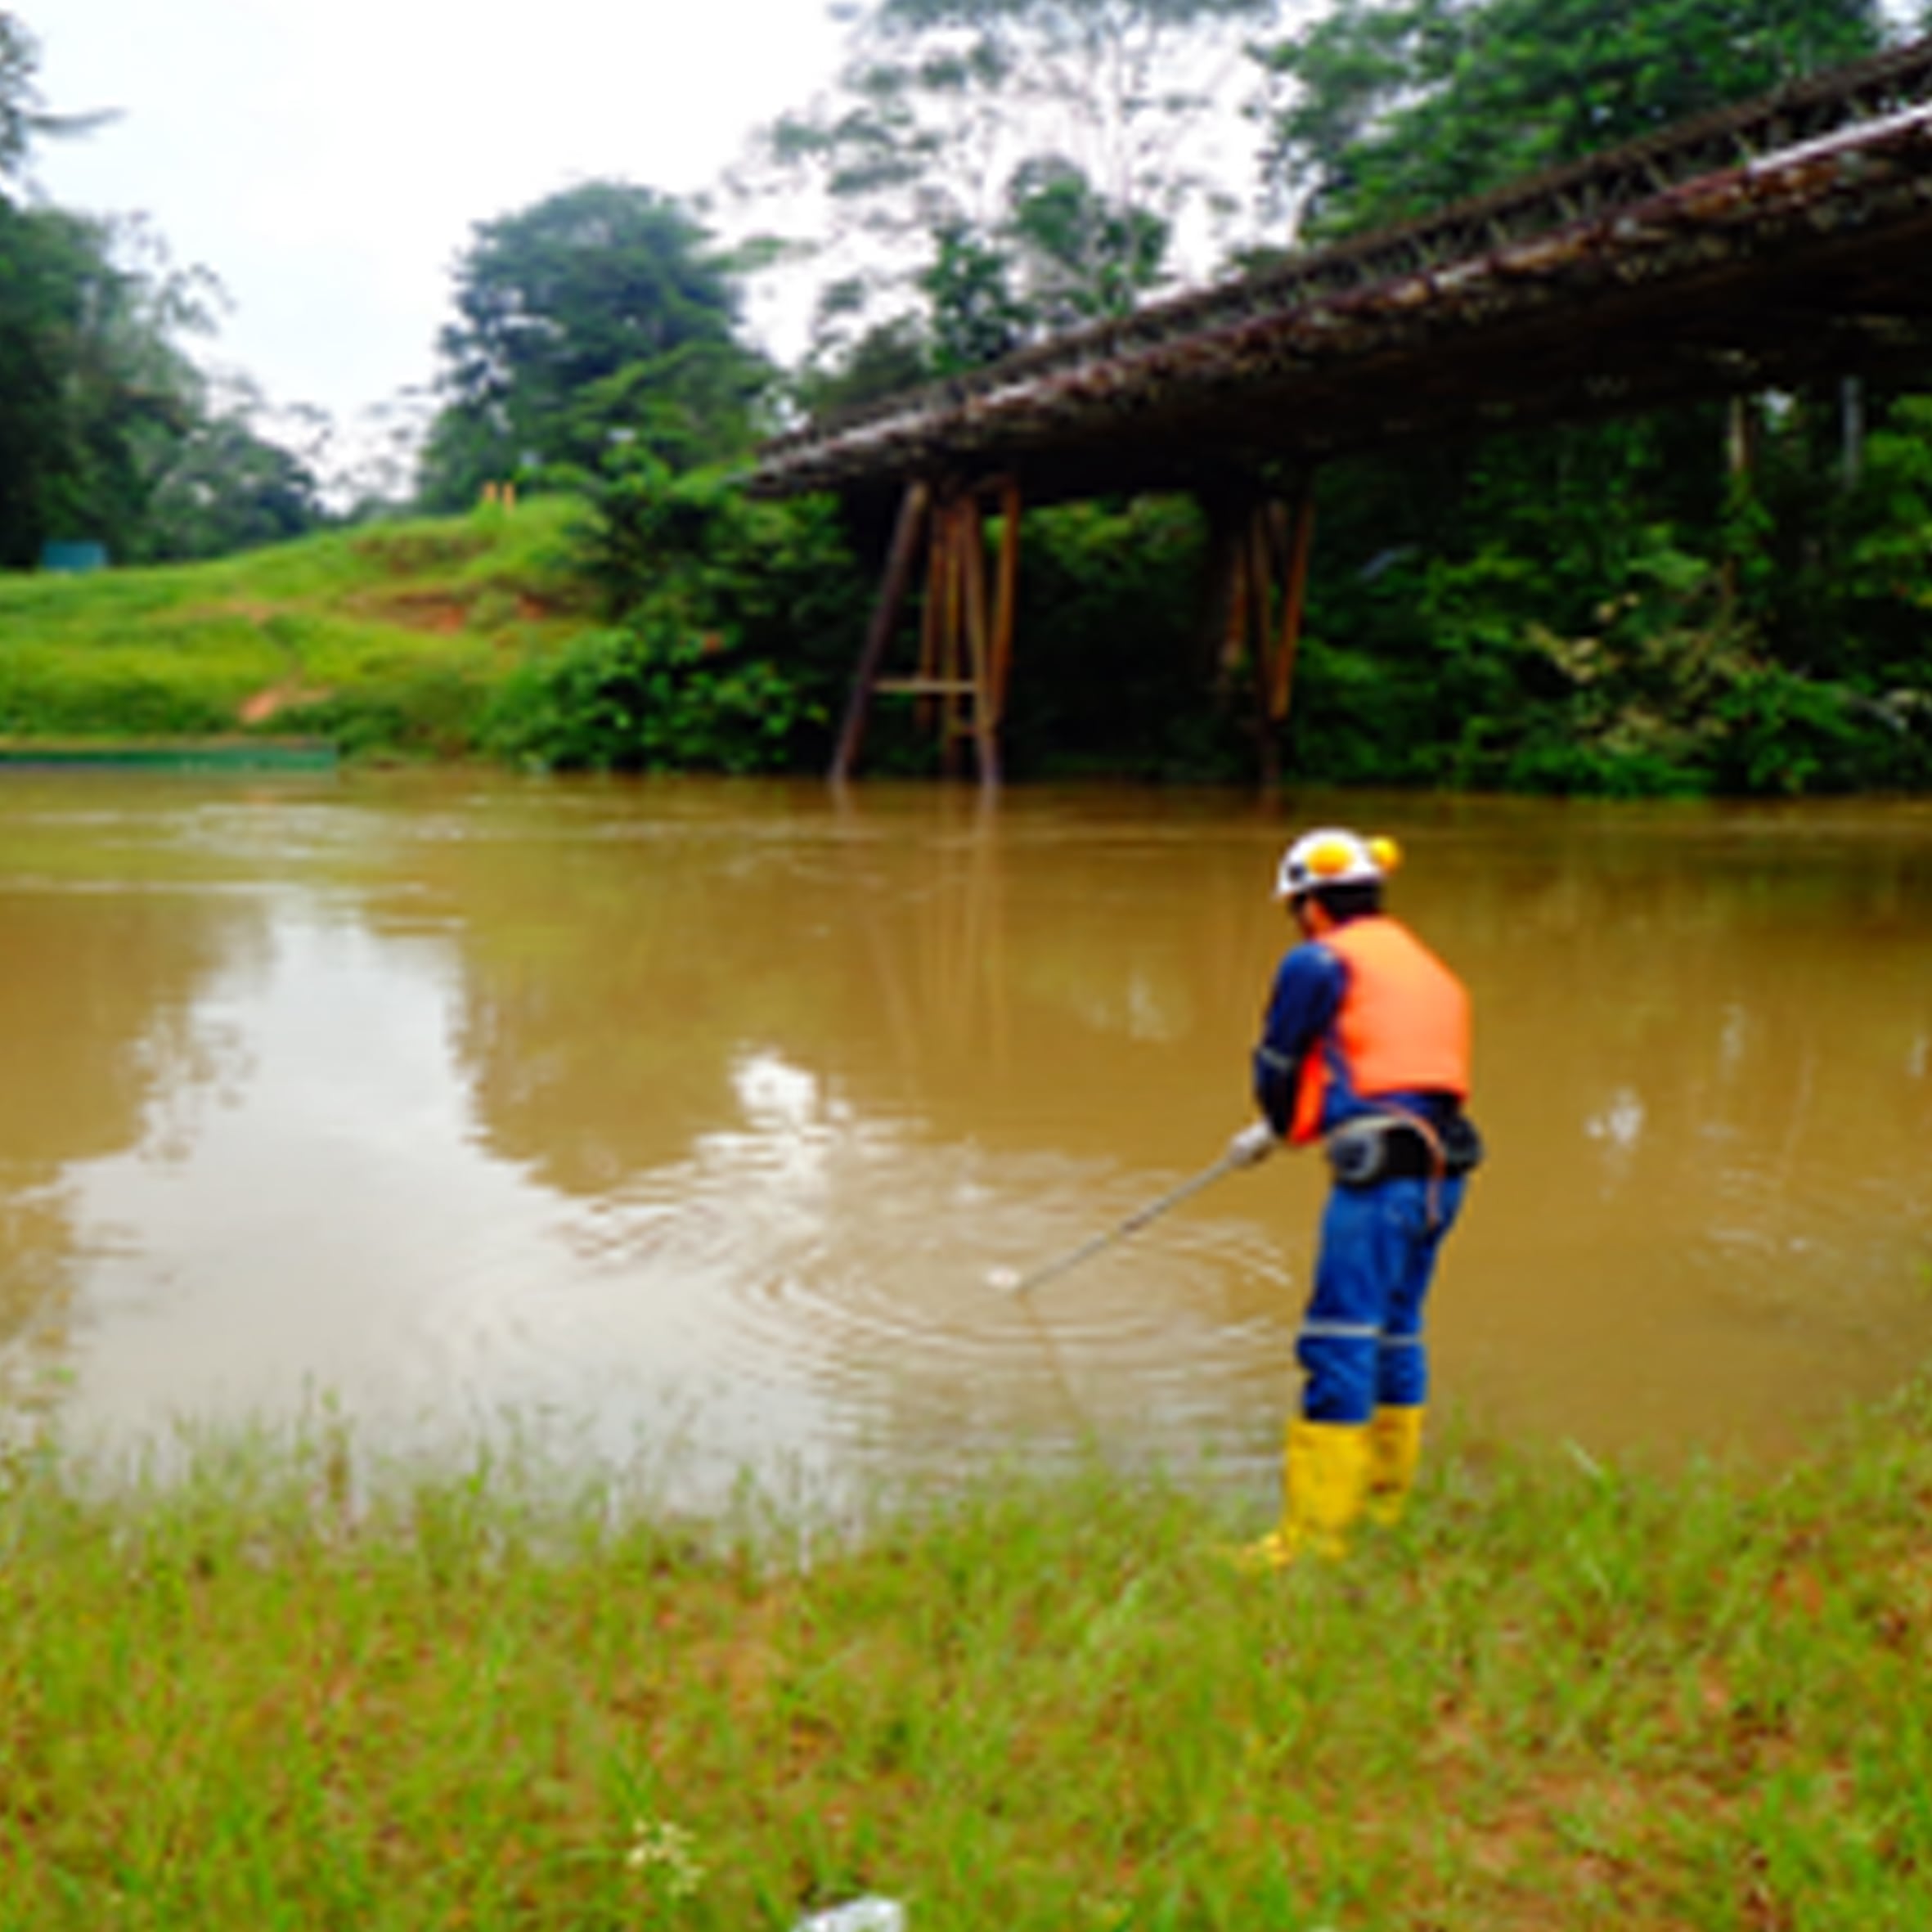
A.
pixel 1258 559
pixel 950 564
pixel 1299 547
pixel 966 628
pixel 976 640
pixel 1264 590
pixel 1005 595
pixel 905 536
pixel 926 710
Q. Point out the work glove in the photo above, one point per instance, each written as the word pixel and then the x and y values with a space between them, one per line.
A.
pixel 1253 1145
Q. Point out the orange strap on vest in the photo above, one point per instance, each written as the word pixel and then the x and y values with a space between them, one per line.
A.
pixel 1403 1026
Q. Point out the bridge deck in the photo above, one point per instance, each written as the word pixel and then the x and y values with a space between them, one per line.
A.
pixel 1786 239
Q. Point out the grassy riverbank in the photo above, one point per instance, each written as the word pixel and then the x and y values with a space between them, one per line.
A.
pixel 389 637
pixel 1562 1697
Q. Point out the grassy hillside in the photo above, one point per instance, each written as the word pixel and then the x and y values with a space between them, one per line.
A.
pixel 387 637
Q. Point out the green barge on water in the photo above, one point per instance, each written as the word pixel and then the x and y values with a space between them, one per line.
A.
pixel 169 754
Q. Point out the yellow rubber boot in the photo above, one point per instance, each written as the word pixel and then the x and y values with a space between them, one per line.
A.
pixel 1324 1479
pixel 1394 1450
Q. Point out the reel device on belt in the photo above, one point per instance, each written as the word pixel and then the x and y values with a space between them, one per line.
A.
pixel 1396 1145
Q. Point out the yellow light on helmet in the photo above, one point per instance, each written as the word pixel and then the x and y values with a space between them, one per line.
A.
pixel 1334 857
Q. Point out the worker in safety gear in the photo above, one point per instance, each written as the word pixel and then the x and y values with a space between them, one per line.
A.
pixel 1365 1048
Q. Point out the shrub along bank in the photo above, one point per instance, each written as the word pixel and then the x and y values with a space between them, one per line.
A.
pixel 282 1686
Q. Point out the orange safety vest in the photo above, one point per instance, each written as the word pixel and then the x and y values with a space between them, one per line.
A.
pixel 1403 1026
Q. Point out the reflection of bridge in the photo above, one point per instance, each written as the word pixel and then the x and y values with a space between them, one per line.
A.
pixel 1771 244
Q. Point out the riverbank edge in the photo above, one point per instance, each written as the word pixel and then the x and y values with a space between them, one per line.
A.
pixel 279 1684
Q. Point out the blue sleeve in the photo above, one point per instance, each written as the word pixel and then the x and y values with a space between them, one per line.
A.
pixel 1308 989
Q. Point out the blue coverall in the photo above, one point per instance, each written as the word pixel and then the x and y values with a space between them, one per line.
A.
pixel 1361 1344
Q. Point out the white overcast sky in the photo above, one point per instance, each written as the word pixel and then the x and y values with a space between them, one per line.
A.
pixel 327 159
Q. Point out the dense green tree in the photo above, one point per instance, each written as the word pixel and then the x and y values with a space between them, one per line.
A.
pixel 227 486
pixel 95 390
pixel 31 430
pixel 1398 106
pixel 975 316
pixel 1081 256
pixel 596 321
pixel 890 357
pixel 97 398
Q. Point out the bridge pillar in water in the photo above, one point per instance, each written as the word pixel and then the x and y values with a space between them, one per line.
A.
pixel 966 623
pixel 1259 583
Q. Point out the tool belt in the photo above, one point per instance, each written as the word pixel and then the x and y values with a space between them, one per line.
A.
pixel 1402 1146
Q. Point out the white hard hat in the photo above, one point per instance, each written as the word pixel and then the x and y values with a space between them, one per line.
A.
pixel 1331 856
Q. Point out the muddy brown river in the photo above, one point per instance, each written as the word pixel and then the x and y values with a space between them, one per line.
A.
pixel 682 1122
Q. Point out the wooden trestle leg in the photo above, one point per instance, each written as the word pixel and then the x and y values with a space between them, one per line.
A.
pixel 905 536
pixel 965 650
pixel 1264 593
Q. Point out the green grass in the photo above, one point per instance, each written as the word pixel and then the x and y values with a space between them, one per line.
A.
pixel 387 637
pixel 1560 1696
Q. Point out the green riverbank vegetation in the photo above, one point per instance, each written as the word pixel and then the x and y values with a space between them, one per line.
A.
pixel 654 621
pixel 280 1686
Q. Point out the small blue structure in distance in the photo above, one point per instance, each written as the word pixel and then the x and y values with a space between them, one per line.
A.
pixel 73 557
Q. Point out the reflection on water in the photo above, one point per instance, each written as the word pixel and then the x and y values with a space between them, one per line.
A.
pixel 693 1116
pixel 96 1056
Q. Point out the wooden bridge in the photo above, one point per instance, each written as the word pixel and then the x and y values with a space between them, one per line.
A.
pixel 1776 243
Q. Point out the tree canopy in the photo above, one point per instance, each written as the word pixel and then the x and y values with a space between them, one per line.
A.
pixel 596 320
pixel 1399 106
